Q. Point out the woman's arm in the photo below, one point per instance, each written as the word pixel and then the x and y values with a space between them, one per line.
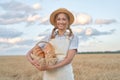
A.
pixel 30 59
pixel 67 60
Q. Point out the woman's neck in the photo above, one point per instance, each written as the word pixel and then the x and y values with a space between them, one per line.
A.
pixel 61 32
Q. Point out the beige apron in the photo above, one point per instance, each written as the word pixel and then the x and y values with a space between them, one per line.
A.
pixel 62 73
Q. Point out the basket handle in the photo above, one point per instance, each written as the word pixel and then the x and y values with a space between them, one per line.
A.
pixel 42 42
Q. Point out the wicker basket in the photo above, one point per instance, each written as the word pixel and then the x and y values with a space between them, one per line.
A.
pixel 45 53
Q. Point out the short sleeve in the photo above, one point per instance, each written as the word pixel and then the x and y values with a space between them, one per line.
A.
pixel 74 42
pixel 46 38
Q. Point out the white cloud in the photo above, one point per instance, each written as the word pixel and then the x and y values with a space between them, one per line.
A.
pixel 8 43
pixel 18 6
pixel 15 45
pixel 12 18
pixel 9 33
pixel 10 40
pixel 89 31
pixel 37 6
pixel 46 32
pixel 45 20
pixel 32 18
pixel 99 33
pixel 17 12
pixel 40 38
pixel 11 21
pixel 104 21
pixel 82 19
pixel 77 30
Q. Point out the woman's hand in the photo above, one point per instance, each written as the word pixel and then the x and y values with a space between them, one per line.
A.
pixel 44 67
pixel 41 68
pixel 34 62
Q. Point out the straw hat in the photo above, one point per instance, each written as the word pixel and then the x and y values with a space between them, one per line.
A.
pixel 61 10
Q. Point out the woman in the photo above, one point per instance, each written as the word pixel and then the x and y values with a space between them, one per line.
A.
pixel 65 43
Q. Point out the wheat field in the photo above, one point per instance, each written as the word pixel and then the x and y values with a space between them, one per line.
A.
pixel 85 66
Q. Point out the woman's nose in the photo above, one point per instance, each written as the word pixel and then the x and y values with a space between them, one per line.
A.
pixel 61 21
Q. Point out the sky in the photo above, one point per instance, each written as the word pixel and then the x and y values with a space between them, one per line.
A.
pixel 25 22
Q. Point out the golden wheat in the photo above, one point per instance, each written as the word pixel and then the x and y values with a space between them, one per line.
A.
pixel 85 66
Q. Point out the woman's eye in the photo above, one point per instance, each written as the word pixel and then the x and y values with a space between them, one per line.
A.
pixel 64 19
pixel 58 18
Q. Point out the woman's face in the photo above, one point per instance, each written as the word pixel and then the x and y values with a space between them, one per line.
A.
pixel 62 21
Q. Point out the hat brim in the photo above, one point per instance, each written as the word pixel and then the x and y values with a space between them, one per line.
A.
pixel 61 10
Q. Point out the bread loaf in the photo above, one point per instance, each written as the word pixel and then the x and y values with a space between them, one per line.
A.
pixel 45 55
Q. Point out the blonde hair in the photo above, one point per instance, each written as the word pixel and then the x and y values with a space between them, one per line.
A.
pixel 54 34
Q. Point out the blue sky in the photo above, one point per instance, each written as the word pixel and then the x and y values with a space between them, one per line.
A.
pixel 24 22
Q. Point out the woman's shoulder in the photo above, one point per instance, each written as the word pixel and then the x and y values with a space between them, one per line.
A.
pixel 74 42
pixel 46 38
pixel 74 36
